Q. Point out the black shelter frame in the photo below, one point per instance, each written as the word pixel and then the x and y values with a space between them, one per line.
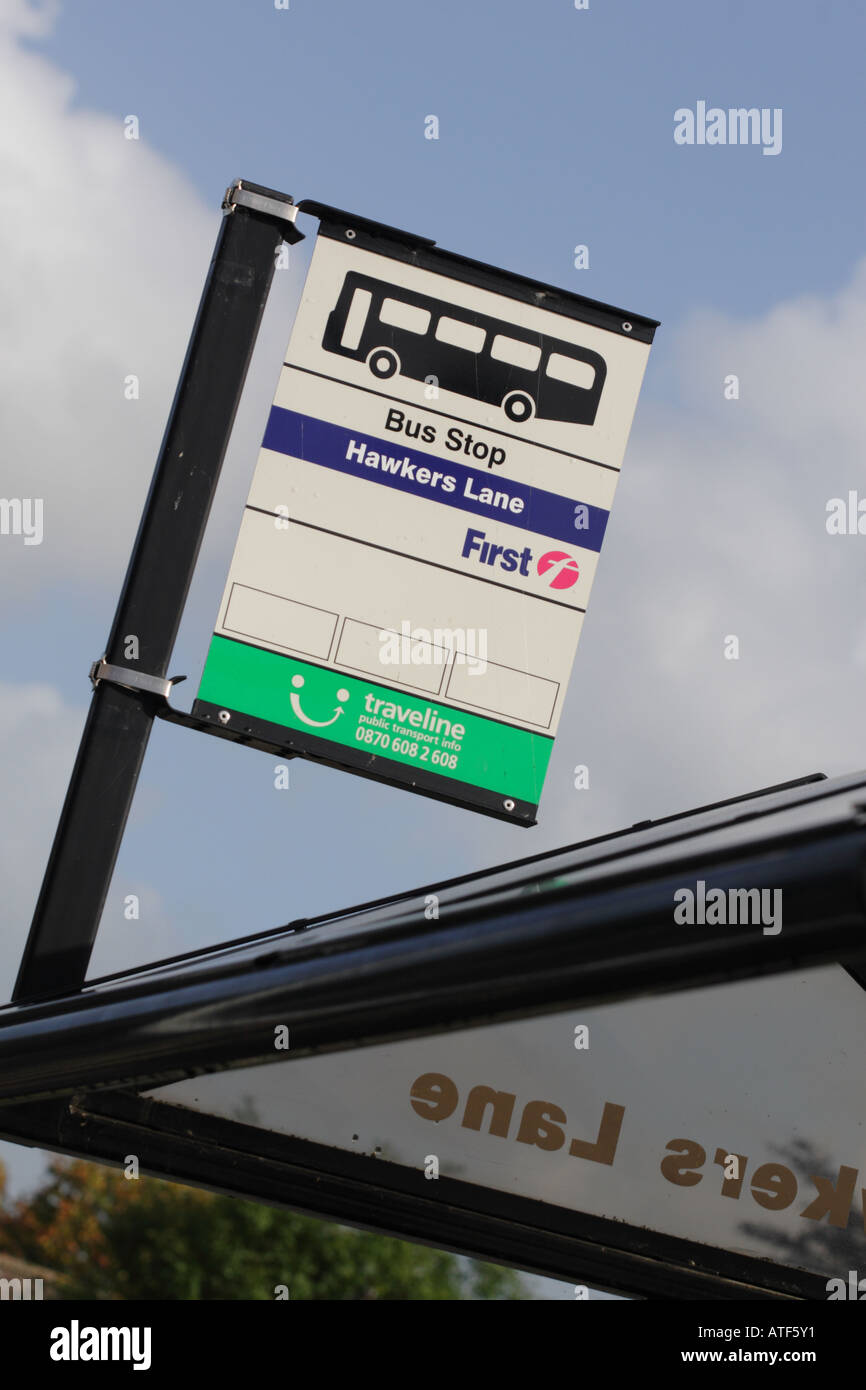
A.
pixel 585 925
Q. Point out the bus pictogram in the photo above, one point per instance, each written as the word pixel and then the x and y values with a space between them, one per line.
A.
pixel 398 332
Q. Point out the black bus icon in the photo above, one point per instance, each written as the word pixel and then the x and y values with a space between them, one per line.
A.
pixel 400 333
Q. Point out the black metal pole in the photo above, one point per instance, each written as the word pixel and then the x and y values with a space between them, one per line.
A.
pixel 119 721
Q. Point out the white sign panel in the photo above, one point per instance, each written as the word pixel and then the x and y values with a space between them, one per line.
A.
pixel 424 524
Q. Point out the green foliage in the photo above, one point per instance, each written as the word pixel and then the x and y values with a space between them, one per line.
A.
pixel 113 1237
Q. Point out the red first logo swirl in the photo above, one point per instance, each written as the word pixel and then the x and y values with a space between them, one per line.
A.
pixel 561 568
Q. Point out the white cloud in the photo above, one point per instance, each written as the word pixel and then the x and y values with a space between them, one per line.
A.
pixel 801 373
pixel 38 737
pixel 104 249
pixel 718 529
pixel 27 18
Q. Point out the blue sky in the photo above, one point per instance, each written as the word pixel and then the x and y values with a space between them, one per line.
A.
pixel 556 128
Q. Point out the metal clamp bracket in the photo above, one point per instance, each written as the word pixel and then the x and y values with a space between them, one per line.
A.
pixel 102 670
pixel 264 200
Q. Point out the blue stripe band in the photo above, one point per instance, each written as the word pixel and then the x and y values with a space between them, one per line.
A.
pixel 362 456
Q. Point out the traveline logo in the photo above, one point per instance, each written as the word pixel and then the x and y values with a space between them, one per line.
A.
pixel 76 1343
pixel 559 568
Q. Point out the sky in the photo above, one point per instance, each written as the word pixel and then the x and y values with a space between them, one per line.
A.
pixel 556 129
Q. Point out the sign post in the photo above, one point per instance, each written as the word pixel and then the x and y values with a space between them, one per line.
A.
pixel 131 677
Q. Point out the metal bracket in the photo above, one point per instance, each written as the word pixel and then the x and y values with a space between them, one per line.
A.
pixel 101 670
pixel 264 200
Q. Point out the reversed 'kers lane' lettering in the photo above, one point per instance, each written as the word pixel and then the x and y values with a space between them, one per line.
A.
pixel 435 1096
pixel 774 1186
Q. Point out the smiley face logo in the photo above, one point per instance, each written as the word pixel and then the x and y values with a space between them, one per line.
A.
pixel 295 702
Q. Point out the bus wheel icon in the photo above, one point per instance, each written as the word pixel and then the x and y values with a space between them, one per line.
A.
pixel 518 406
pixel 383 363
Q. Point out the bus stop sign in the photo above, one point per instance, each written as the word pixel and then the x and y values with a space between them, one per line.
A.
pixel 424 522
